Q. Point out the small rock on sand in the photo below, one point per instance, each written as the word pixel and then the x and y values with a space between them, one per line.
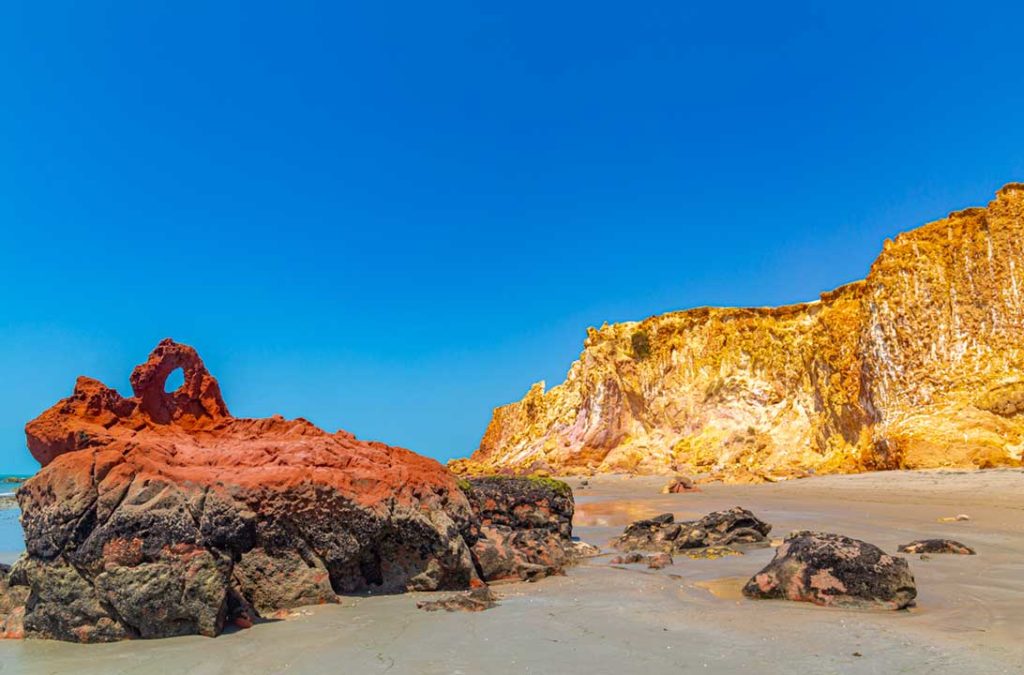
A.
pixel 582 549
pixel 627 559
pixel 680 484
pixel 657 561
pixel 936 546
pixel 476 600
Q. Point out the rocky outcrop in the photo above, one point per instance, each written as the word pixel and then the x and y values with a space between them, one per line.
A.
pixel 162 514
pixel 524 529
pixel 833 570
pixel 936 546
pixel 919 365
pixel 730 528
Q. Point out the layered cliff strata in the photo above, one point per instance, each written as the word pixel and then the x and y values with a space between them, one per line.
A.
pixel 919 365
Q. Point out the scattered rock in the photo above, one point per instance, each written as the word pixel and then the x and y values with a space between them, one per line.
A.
pixel 657 561
pixel 628 559
pixel 680 484
pixel 833 570
pixel 961 517
pixel 735 526
pixel 476 600
pixel 936 546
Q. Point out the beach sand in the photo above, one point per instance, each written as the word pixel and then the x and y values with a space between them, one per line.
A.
pixel 688 617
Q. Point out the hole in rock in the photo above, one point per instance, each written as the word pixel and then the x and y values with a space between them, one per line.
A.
pixel 174 380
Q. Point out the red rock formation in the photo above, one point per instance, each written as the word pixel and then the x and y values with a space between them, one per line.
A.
pixel 162 514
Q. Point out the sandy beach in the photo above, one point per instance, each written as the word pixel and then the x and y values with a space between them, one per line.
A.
pixel 688 617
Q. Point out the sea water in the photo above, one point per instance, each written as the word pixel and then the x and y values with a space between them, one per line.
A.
pixel 12 540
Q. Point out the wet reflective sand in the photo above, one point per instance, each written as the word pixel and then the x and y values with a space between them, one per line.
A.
pixel 688 617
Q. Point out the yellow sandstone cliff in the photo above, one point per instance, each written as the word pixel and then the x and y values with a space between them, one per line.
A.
pixel 919 365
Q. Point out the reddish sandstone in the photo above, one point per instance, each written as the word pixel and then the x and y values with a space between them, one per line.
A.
pixel 162 514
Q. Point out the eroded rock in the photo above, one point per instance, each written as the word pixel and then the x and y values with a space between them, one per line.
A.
pixel 733 527
pixel 524 527
pixel 162 514
pixel 833 570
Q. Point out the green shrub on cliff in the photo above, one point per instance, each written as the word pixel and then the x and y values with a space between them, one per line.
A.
pixel 560 488
pixel 641 344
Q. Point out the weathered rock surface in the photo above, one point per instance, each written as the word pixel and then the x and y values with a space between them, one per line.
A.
pixel 919 365
pixel 733 527
pixel 524 529
pixel 162 514
pixel 833 570
pixel 936 546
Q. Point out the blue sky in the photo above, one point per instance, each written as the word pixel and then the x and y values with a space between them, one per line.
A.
pixel 392 218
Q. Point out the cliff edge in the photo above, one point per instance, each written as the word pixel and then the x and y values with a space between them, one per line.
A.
pixel 917 366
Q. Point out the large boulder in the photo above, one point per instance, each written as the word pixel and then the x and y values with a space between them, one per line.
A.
pixel 162 514
pixel 833 570
pixel 524 528
pixel 732 527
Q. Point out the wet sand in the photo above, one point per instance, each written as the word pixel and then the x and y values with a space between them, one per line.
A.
pixel 688 617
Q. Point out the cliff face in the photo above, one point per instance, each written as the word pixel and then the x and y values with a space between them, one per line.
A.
pixel 919 365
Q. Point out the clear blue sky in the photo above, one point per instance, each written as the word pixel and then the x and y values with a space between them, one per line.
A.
pixel 393 218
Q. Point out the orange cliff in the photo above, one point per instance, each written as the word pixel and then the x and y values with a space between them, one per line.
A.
pixel 920 365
